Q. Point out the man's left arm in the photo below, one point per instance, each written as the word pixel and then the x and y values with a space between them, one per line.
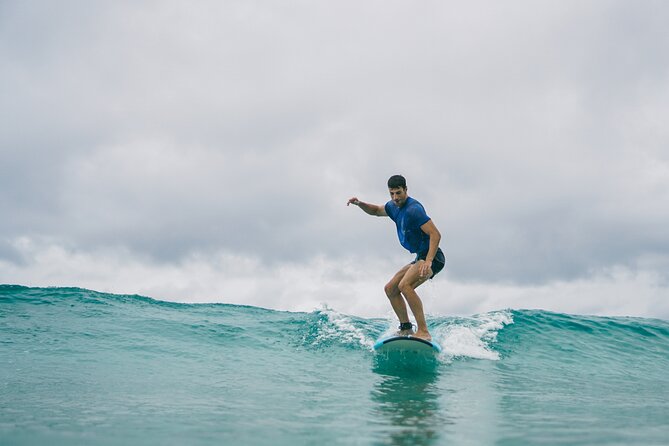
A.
pixel 435 237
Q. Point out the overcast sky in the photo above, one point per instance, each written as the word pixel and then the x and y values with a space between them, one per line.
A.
pixel 205 151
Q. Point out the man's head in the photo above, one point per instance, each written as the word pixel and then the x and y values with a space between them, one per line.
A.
pixel 397 186
pixel 397 181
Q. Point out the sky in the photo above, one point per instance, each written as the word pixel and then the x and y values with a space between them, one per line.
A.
pixel 204 151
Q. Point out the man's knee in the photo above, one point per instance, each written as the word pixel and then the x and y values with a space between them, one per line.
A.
pixel 391 290
pixel 405 287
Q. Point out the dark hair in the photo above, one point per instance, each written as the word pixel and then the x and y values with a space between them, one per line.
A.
pixel 397 181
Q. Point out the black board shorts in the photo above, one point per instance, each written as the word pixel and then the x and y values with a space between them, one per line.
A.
pixel 437 264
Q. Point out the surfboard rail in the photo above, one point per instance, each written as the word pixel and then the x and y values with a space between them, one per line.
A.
pixel 406 343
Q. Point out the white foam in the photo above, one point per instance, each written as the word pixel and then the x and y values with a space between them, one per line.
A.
pixel 341 328
pixel 470 337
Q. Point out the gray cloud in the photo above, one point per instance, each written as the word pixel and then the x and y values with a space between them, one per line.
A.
pixel 531 132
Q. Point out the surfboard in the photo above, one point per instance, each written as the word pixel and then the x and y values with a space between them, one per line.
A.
pixel 396 343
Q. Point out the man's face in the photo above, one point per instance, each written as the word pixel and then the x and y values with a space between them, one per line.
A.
pixel 398 195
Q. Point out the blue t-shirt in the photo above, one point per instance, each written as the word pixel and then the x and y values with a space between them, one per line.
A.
pixel 409 218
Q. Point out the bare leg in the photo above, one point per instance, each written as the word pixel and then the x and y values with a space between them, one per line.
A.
pixel 407 286
pixel 395 297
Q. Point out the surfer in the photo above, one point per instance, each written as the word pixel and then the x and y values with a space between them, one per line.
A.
pixel 419 235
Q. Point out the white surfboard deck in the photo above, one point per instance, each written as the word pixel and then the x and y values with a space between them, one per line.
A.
pixel 396 343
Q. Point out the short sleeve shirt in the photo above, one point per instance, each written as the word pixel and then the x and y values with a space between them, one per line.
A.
pixel 408 219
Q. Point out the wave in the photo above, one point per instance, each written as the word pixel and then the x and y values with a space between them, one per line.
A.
pixel 324 328
pixel 104 361
pixel 488 336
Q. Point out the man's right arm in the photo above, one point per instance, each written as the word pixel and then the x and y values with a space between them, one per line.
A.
pixel 371 209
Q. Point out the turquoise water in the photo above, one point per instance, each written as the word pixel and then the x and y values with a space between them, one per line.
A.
pixel 82 367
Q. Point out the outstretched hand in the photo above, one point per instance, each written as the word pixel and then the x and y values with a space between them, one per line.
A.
pixel 354 201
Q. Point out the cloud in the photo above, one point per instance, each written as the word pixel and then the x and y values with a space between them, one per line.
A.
pixel 349 286
pixel 533 134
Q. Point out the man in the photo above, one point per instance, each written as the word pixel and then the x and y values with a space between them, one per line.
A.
pixel 419 235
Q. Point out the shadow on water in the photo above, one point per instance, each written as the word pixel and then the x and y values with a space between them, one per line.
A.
pixel 406 400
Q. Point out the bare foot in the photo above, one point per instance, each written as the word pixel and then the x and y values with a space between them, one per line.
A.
pixel 423 335
pixel 404 333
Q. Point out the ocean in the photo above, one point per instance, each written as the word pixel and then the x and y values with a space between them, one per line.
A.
pixel 83 367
